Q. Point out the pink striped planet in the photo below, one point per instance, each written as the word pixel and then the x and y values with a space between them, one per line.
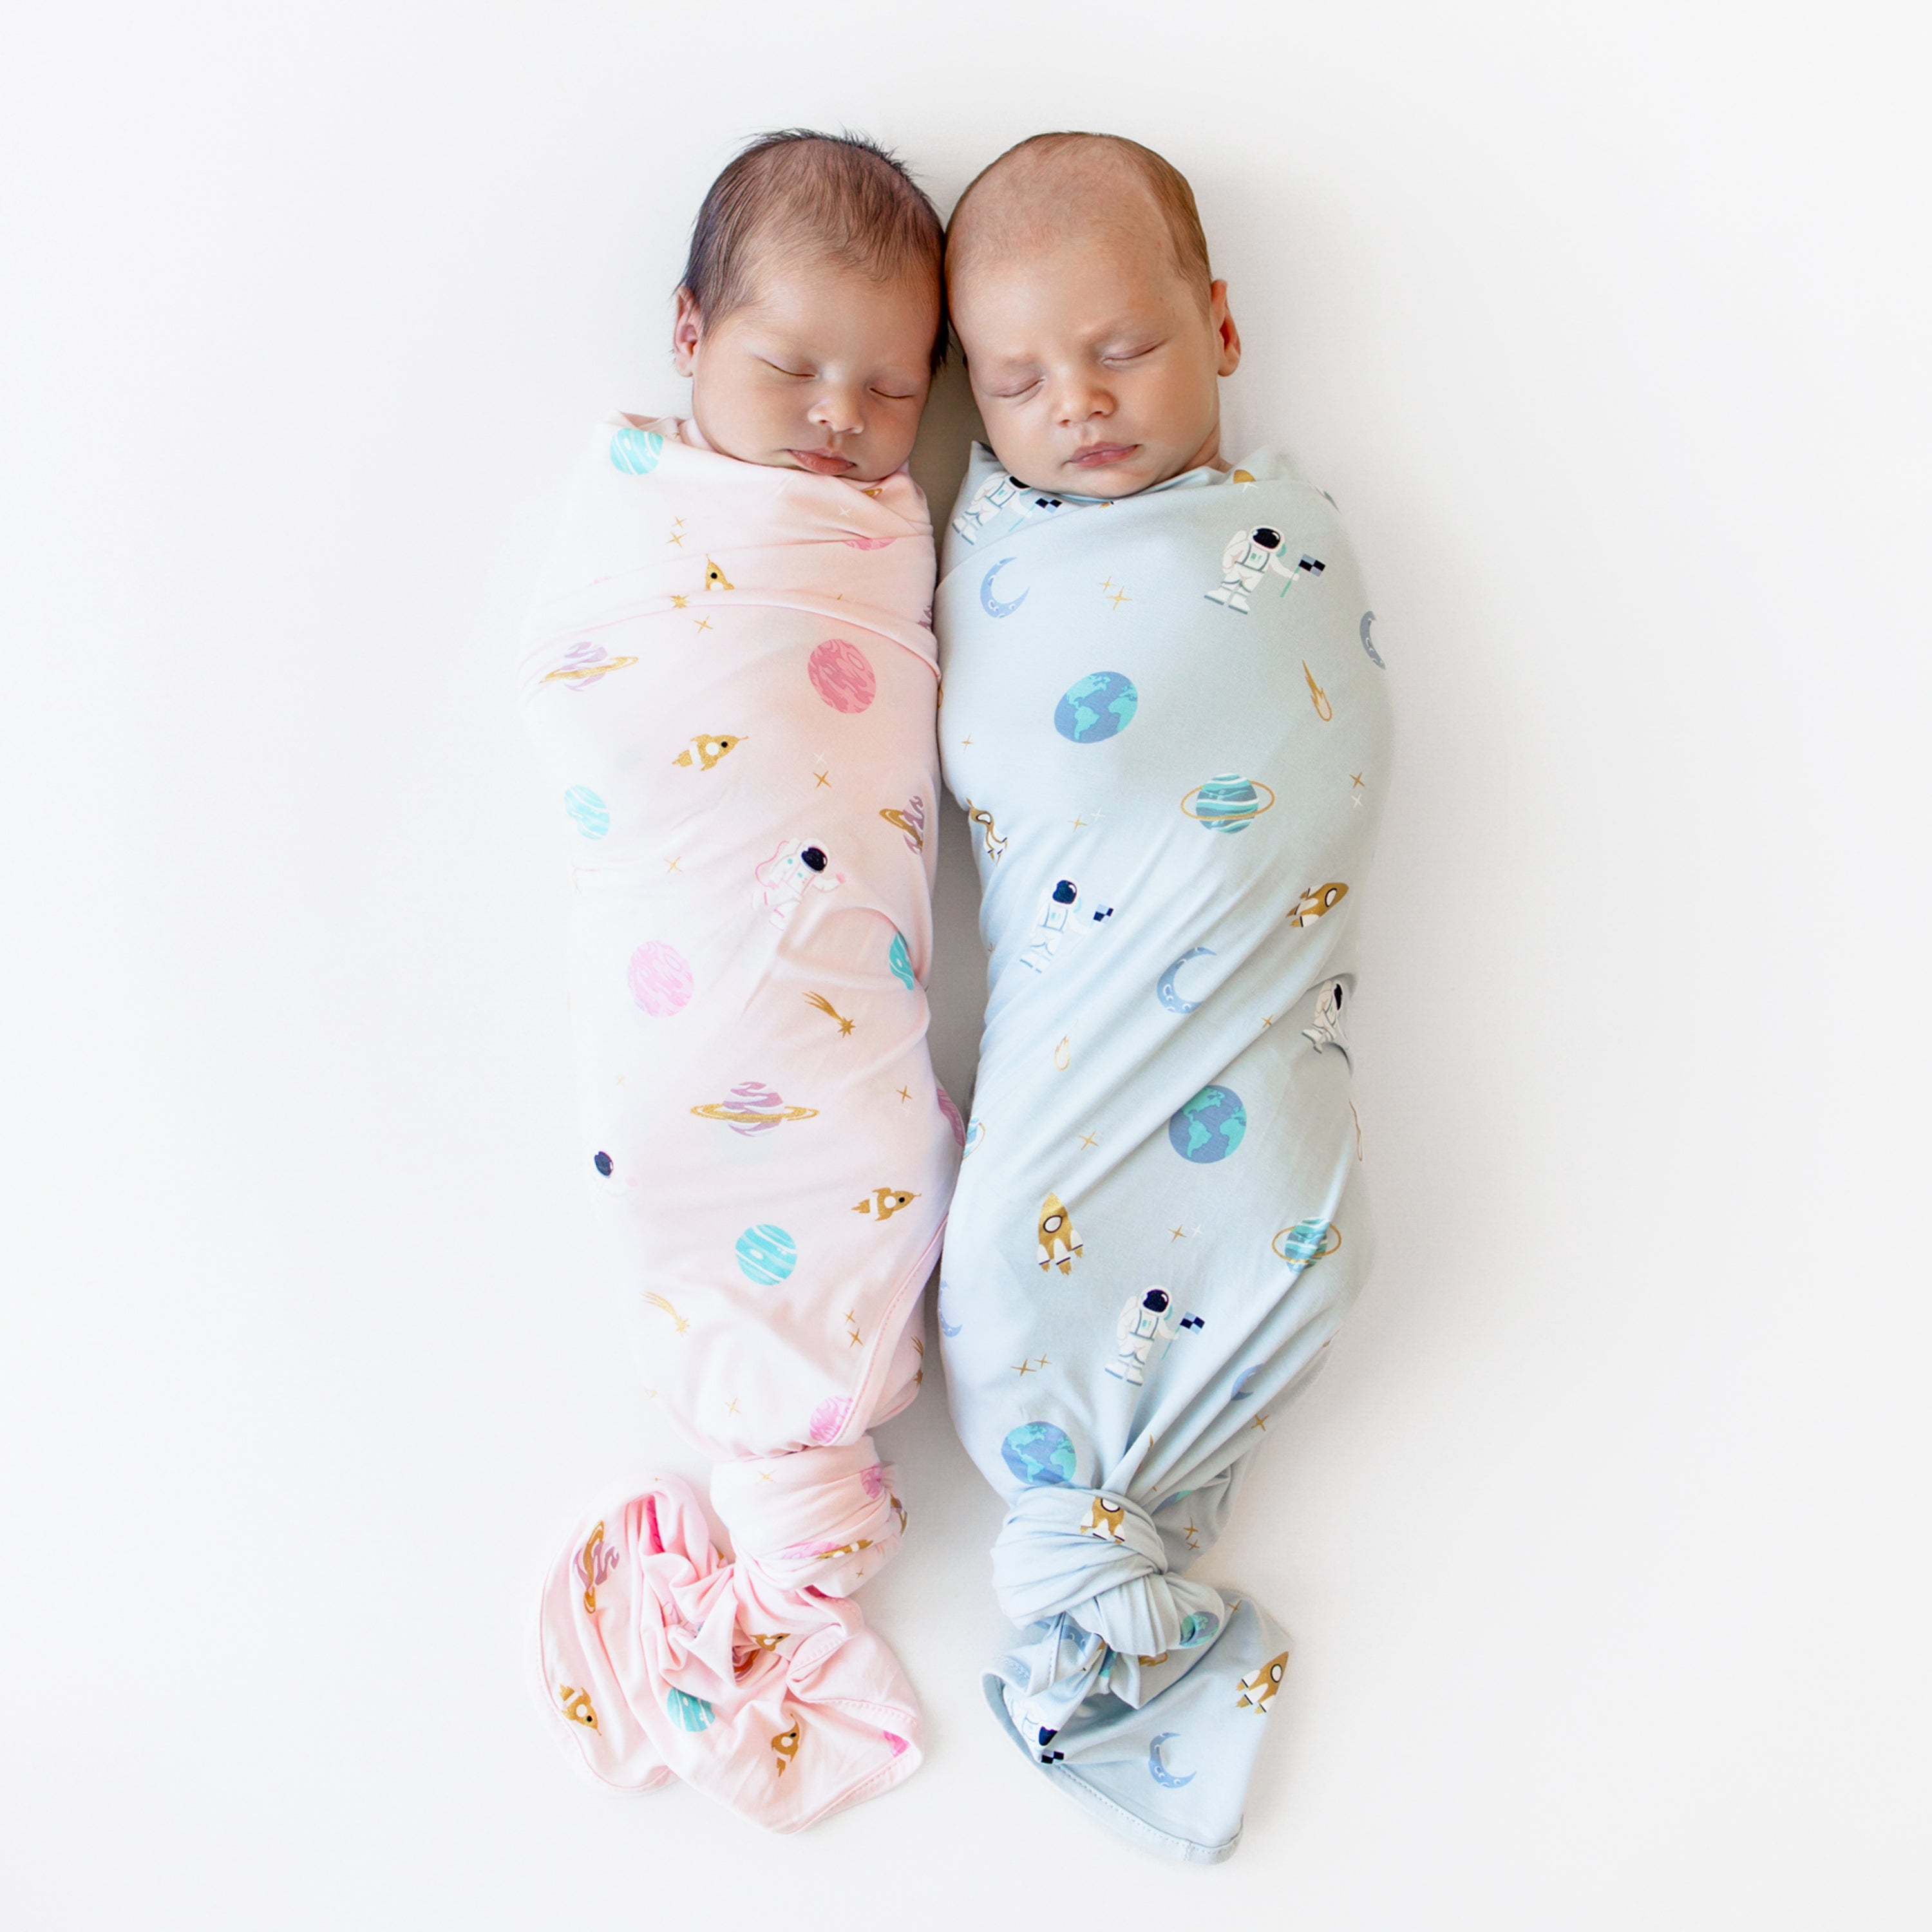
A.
pixel 841 675
pixel 660 980
pixel 829 1418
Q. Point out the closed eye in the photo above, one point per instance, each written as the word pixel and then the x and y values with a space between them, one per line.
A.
pixel 798 375
pixel 896 396
pixel 1012 395
pixel 1131 355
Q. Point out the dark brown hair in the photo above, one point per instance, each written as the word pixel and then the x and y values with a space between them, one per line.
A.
pixel 838 195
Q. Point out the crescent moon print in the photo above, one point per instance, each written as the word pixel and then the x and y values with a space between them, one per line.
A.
pixel 991 605
pixel 1168 992
pixel 1158 1772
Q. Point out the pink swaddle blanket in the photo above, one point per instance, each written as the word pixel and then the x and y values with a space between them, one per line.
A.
pixel 731 671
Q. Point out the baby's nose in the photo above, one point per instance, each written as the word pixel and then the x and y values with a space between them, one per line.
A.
pixel 841 411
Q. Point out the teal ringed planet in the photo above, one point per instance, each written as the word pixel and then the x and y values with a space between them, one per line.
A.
pixel 991 605
pixel 1229 803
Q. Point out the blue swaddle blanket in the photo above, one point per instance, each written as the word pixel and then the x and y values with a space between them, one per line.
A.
pixel 1168 723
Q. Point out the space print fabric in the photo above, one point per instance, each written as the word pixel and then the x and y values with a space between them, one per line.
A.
pixel 730 672
pixel 1167 720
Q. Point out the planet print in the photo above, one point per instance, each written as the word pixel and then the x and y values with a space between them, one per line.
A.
pixel 660 980
pixel 753 1108
pixel 841 675
pixel 1039 1453
pixel 865 543
pixel 583 664
pixel 1229 803
pixel 976 1132
pixel 592 815
pixel 602 1163
pixel 1197 1627
pixel 900 960
pixel 952 1114
pixel 898 1743
pixel 1306 1241
pixel 766 1254
pixel 829 1419
pixel 636 452
pixel 1210 1127
pixel 1101 705
pixel 689 1713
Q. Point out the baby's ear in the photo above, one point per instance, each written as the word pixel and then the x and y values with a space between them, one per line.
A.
pixel 1228 336
pixel 687 326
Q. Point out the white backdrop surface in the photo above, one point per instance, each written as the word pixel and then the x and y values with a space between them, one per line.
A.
pixel 1603 1539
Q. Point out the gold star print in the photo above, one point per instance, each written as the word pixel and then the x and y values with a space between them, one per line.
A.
pixel 678 603
pixel 731 1407
pixel 904 1095
pixel 1023 1368
pixel 1268 1019
pixel 1119 598
pixel 672 865
pixel 675 539
pixel 766 1476
pixel 965 741
pixel 1190 1532
pixel 1078 823
pixel 1088 1140
pixel 1179 1234
pixel 1106 584
pixel 824 779
pixel 704 623
pixel 1260 1422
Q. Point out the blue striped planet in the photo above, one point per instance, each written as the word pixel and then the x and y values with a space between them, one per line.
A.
pixel 1229 803
pixel 636 452
pixel 593 816
pixel 766 1254
pixel 1101 705
pixel 690 1713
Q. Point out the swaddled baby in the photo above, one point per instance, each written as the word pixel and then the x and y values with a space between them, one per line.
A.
pixel 730 670
pixel 1165 715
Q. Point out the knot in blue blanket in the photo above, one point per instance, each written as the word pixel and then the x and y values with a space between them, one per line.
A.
pixel 1094 1557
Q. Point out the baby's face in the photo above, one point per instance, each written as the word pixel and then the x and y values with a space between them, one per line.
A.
pixel 1095 364
pixel 824 370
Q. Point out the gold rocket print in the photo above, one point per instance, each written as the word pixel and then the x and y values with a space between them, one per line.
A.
pixel 655 1300
pixel 786 1744
pixel 830 1011
pixel 892 815
pixel 714 579
pixel 1056 1233
pixel 898 1510
pixel 1063 1054
pixel 884 1201
pixel 1104 1520
pixel 1323 710
pixel 996 846
pixel 576 1706
pixel 1314 901
pixel 770 1643
pixel 710 748
pixel 1257 1690
pixel 1150 1661
pixel 845 1549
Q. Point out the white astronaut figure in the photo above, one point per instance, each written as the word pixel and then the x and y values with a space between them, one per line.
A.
pixel 1050 928
pixel 988 501
pixel 792 871
pixel 1144 1324
pixel 1250 555
pixel 1327 1029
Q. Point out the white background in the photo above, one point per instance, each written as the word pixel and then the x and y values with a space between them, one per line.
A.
pixel 1602 1540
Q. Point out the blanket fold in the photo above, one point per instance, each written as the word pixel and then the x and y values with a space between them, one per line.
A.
pixel 1166 717
pixel 730 672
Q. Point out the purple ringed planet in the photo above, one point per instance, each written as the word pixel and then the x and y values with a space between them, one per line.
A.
pixel 753 1116
pixel 1228 803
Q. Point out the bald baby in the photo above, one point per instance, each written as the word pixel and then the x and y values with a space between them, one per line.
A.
pixel 1096 335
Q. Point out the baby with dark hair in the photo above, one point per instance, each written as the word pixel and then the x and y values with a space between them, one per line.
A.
pixel 731 670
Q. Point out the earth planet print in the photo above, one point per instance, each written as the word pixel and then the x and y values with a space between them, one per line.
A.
pixel 1210 1127
pixel 1101 705
pixel 1038 1453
